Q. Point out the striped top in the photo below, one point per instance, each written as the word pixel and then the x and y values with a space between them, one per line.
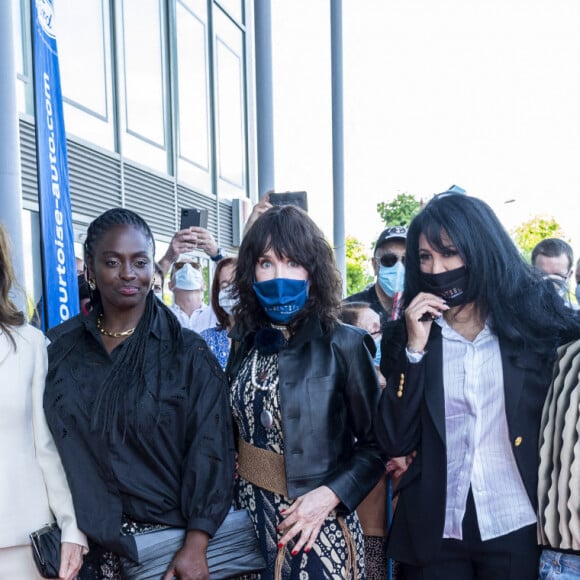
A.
pixel 559 475
pixel 479 452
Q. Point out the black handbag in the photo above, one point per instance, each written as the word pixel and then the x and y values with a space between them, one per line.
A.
pixel 46 550
pixel 232 551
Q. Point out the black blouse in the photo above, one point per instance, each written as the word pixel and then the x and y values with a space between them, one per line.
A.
pixel 171 459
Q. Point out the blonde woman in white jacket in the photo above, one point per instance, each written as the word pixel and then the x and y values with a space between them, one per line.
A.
pixel 33 485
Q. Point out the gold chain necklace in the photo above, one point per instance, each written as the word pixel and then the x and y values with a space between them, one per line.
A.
pixel 122 334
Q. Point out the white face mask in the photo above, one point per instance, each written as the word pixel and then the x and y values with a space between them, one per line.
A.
pixel 188 278
pixel 225 299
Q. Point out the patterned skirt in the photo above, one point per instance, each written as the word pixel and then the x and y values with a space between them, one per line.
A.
pixel 338 553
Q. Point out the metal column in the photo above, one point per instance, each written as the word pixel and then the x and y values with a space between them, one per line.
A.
pixel 10 175
pixel 264 96
pixel 338 137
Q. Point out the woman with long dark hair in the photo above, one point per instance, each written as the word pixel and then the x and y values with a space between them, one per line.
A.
pixel 138 408
pixel 303 391
pixel 467 373
pixel 222 302
pixel 33 485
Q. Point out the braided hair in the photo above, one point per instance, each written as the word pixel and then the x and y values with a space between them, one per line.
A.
pixel 127 374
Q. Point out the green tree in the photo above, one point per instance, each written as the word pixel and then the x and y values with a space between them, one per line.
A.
pixel 534 230
pixel 400 211
pixel 357 266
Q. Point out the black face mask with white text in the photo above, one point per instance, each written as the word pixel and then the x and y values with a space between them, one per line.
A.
pixel 448 285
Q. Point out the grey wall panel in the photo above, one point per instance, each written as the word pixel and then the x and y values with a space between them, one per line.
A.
pixel 28 161
pixel 95 179
pixel 152 197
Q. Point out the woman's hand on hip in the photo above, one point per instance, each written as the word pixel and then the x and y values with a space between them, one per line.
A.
pixel 306 516
pixel 71 560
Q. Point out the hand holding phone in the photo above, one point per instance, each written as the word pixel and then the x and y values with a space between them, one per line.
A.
pixel 297 198
pixel 193 217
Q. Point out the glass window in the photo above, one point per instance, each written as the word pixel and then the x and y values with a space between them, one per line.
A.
pixel 193 94
pixel 230 117
pixel 234 8
pixel 84 48
pixel 24 97
pixel 143 72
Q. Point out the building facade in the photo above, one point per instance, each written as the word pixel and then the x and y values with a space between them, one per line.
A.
pixel 159 110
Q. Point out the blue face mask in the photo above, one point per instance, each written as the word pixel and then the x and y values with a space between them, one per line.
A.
pixel 392 279
pixel 281 298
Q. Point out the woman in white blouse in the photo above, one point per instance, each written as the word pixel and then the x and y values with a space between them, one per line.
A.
pixel 33 486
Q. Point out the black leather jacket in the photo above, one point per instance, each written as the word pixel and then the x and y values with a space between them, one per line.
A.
pixel 328 395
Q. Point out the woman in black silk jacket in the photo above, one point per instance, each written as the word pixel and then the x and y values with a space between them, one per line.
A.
pixel 303 391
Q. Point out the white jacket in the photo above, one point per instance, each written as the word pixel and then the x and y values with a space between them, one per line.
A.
pixel 33 485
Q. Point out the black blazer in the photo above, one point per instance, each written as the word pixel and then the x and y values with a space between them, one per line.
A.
pixel 416 421
pixel 328 397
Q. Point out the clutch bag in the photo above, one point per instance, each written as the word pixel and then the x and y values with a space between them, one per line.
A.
pixel 232 551
pixel 46 550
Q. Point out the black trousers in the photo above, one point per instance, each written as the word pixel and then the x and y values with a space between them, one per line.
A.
pixel 514 556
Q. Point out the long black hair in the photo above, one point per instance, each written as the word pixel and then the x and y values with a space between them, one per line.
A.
pixel 505 289
pixel 289 232
pixel 125 381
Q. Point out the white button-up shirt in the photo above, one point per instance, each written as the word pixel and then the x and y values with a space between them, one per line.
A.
pixel 479 452
pixel 200 319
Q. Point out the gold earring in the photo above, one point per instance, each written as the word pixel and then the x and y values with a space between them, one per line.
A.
pixel 92 284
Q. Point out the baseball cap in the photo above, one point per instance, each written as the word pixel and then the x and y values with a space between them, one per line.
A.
pixel 394 232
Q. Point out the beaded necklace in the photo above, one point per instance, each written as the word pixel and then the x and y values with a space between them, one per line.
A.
pixel 262 374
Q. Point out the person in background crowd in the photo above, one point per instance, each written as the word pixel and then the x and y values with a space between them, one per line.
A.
pixel 389 267
pixel 33 486
pixel 372 510
pixel 555 258
pixel 577 291
pixel 223 301
pixel 84 294
pixel 188 286
pixel 158 281
pixel 187 240
pixel 303 391
pixel 138 409
pixel 468 369
pixel 559 472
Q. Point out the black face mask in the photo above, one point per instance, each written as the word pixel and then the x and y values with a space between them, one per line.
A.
pixel 448 285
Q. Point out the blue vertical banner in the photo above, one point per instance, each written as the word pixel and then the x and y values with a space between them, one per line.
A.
pixel 60 286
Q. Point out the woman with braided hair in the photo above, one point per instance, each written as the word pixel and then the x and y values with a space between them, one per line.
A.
pixel 138 409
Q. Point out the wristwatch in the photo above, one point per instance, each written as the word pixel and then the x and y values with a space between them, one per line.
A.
pixel 217 257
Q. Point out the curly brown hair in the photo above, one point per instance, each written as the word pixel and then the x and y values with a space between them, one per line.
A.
pixel 289 232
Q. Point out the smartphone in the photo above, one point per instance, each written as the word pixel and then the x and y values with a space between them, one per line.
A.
pixel 297 198
pixel 193 216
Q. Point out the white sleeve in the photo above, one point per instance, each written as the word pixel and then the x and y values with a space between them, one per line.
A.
pixel 59 496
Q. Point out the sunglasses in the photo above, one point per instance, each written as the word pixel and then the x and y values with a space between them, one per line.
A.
pixel 178 265
pixel 389 260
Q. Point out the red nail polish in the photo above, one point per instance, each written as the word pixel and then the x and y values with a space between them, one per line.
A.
pixel 282 511
pixel 307 550
pixel 294 552
pixel 280 546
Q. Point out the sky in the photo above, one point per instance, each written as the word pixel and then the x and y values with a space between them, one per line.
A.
pixel 485 95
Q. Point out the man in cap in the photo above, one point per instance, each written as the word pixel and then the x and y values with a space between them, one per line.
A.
pixel 389 267
pixel 555 258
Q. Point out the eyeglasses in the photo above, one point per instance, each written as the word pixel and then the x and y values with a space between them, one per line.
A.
pixel 389 260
